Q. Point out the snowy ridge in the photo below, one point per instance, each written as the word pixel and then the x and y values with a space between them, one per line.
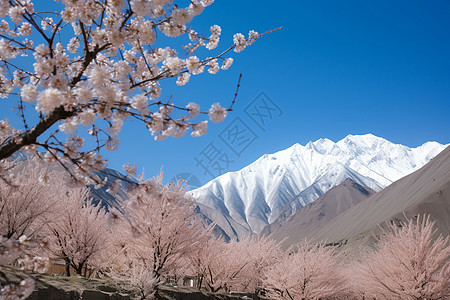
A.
pixel 294 177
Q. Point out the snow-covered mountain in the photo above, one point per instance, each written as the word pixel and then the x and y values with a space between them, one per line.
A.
pixel 289 179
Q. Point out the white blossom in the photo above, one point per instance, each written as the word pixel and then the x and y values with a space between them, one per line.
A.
pixel 216 30
pixel 212 43
pixel 217 113
pixel 183 79
pixel 16 13
pixel 29 93
pixel 174 65
pixel 98 75
pixel 182 16
pixel 41 264
pixel 83 92
pixel 4 27
pixel 25 29
pixel 252 37
pixel 73 45
pixel 194 109
pixel 199 129
pixel 157 123
pixel 206 3
pixel 227 63
pixel 140 7
pixel 213 66
pixel 129 169
pixel 76 28
pixel 175 130
pixel 196 7
pixel 42 50
pixel 240 42
pixel 67 127
pixel 146 33
pixel 172 30
pixel 69 15
pixel 193 65
pixel 87 117
pixel 139 102
pixel 49 99
pixel 4 8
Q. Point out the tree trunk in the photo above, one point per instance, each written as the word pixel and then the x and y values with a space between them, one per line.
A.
pixel 79 269
pixel 67 266
pixel 200 281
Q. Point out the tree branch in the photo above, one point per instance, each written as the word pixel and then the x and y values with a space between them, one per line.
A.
pixel 15 142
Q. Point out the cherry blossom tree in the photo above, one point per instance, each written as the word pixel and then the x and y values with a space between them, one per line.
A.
pixel 410 263
pixel 259 254
pixel 95 64
pixel 79 234
pixel 25 206
pixel 157 228
pixel 220 263
pixel 207 264
pixel 233 266
pixel 137 279
pixel 311 273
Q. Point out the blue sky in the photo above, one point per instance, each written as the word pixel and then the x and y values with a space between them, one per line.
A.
pixel 336 68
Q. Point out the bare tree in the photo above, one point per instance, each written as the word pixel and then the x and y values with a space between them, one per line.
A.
pixel 410 263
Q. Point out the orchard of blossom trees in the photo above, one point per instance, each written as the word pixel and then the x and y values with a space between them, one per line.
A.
pixel 78 69
pixel 157 237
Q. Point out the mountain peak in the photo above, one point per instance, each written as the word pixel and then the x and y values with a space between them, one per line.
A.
pixel 425 191
pixel 258 193
pixel 365 140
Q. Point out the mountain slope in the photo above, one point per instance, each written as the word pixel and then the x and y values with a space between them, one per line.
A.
pixel 256 195
pixel 107 198
pixel 314 215
pixel 424 191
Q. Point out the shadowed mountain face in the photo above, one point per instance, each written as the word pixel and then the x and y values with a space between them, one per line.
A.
pixel 102 195
pixel 106 198
pixel 425 191
pixel 295 228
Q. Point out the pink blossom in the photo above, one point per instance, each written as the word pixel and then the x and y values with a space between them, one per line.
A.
pixel 199 129
pixel 217 113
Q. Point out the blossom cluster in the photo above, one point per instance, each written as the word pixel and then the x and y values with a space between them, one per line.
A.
pixel 17 291
pixel 96 64
pixel 12 250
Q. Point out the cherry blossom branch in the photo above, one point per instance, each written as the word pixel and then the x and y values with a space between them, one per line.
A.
pixel 114 74
pixel 236 93
pixel 15 143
